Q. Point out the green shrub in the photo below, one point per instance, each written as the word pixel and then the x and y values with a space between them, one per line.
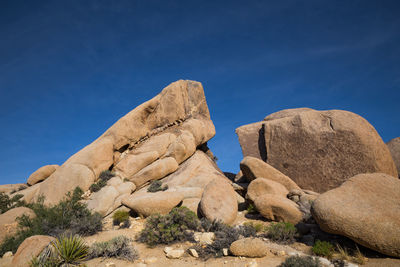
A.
pixel 323 248
pixel 298 261
pixel 258 227
pixel 156 186
pixel 281 232
pixel 102 181
pixel 251 209
pixel 119 247
pixel 120 216
pixel 7 203
pixel 165 229
pixel 69 216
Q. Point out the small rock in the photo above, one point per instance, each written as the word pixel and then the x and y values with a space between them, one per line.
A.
pixel 324 262
pixel 249 247
pixel 204 238
pixel 349 264
pixel 281 253
pixel 252 264
pixel 193 252
pixel 111 264
pixel 225 251
pixel 8 254
pixel 150 260
pixel 225 262
pixel 173 253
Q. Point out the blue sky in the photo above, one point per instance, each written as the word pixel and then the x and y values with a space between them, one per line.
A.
pixel 70 69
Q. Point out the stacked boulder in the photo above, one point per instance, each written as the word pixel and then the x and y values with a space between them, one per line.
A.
pixel 164 139
pixel 318 150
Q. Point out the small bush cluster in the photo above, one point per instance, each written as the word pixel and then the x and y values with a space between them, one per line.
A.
pixel 323 248
pixel 251 209
pixel 258 227
pixel 69 216
pixel 102 181
pixel 119 247
pixel 156 186
pixel 165 229
pixel 121 216
pixel 283 232
pixel 64 251
pixel 298 261
pixel 7 203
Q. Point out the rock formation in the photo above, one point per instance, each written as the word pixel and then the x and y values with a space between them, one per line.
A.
pixel 366 209
pixel 162 139
pixel 318 150
pixel 394 148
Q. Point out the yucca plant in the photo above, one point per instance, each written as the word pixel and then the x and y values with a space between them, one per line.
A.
pixel 70 249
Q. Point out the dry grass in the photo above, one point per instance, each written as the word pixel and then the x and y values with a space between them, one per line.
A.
pixel 359 257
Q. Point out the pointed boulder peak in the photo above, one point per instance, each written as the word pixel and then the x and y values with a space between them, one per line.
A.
pixel 318 150
pixel 169 126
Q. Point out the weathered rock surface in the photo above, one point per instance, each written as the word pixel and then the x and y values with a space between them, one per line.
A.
pixel 146 144
pixel 254 168
pixel 8 188
pixel 366 209
pixel 277 208
pixel 394 148
pixel 249 247
pixel 31 247
pixel 262 186
pixel 318 150
pixel 41 174
pixel 146 204
pixel 219 202
pixel 8 221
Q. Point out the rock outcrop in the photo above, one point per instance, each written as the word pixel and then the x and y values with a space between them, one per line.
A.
pixel 41 174
pixel 31 247
pixel 318 150
pixel 9 223
pixel 394 148
pixel 366 209
pixel 146 144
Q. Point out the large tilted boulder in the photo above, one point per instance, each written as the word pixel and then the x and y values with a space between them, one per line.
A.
pixel 318 150
pixel 9 223
pixel 146 144
pixel 41 174
pixel 366 209
pixel 394 148
pixel 278 208
pixel 31 247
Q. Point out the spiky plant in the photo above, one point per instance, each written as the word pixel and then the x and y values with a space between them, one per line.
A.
pixel 70 249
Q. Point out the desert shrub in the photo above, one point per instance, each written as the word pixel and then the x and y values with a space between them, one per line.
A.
pixel 281 232
pixel 156 186
pixel 342 253
pixel 359 257
pixel 102 181
pixel 69 216
pixel 7 203
pixel 323 248
pixel 166 229
pixel 120 216
pixel 119 247
pixel 251 209
pixel 258 227
pixel 298 261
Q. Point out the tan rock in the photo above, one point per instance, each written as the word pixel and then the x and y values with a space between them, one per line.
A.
pixel 183 147
pixel 155 171
pixel 253 168
pixel 29 193
pixel 131 163
pixel 8 188
pixel 219 202
pixel 206 238
pixel 319 150
pixel 65 179
pixel 181 106
pixel 366 209
pixel 103 200
pixel 146 204
pixel 9 223
pixel 394 148
pixel 125 188
pixel 251 140
pixel 286 113
pixel 159 143
pixel 41 174
pixel 249 247
pixel 31 247
pixel 188 192
pixel 277 208
pixel 262 186
pixel 192 204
